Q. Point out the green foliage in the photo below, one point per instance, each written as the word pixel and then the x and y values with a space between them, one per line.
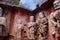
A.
pixel 16 1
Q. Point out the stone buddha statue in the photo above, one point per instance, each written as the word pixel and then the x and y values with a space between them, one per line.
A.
pixel 31 27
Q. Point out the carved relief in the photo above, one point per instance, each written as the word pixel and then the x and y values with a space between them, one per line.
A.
pixel 19 28
pixel 42 22
pixel 56 4
pixel 31 27
pixel 2 23
pixel 55 20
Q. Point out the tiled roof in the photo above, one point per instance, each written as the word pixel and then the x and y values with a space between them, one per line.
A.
pixel 15 5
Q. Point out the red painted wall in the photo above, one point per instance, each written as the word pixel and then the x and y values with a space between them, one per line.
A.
pixel 14 14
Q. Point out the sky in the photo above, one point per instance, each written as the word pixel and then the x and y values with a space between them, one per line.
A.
pixel 31 4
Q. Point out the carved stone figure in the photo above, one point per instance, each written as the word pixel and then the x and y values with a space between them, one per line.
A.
pixel 31 27
pixel 25 32
pixel 19 28
pixel 42 25
pixel 2 23
pixel 2 19
pixel 54 20
pixel 56 4
pixel 54 23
